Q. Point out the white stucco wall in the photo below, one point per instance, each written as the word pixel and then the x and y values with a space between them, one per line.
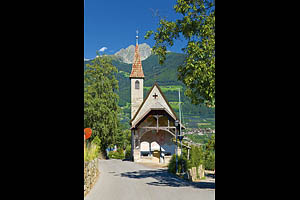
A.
pixel 145 146
pixel 137 95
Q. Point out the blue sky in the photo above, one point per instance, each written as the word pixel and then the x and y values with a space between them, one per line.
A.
pixel 111 24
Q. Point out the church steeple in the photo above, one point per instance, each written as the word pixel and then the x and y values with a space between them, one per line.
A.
pixel 137 80
pixel 137 69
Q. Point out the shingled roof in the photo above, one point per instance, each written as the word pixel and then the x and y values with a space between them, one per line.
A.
pixel 137 70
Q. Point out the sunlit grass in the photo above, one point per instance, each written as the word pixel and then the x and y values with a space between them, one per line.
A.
pixel 90 152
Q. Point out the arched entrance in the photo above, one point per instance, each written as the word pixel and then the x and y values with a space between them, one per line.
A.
pixel 157 145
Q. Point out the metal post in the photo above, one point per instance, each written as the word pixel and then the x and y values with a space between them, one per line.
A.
pixel 156 123
pixel 180 129
pixel 179 112
pixel 176 155
pixel 132 144
pixel 181 155
pixel 150 154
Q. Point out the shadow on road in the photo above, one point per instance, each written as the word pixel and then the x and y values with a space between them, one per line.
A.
pixel 163 178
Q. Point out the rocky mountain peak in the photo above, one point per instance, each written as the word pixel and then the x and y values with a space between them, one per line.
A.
pixel 126 55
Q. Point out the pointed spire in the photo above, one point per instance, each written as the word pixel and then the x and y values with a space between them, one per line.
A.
pixel 137 69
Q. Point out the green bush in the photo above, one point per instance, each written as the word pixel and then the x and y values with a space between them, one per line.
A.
pixel 198 156
pixel 182 164
pixel 119 154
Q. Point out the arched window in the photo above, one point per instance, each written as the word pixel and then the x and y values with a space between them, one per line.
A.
pixel 137 85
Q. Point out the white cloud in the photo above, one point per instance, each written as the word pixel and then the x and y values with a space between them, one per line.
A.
pixel 102 49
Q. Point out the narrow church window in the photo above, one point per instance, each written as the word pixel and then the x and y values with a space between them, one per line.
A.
pixel 137 85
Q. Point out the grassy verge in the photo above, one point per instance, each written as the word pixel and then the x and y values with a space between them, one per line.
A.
pixel 90 152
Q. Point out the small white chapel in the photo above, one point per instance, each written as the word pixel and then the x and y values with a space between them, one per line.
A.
pixel 153 130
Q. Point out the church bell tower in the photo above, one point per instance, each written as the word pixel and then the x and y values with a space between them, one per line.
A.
pixel 137 80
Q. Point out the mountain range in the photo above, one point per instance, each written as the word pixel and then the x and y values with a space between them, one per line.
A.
pixel 166 77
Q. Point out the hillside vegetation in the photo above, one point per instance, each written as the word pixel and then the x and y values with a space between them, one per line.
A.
pixel 166 77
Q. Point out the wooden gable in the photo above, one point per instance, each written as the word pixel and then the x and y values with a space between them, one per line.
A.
pixel 155 100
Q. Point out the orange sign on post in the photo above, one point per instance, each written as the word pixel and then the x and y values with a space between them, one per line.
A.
pixel 87 133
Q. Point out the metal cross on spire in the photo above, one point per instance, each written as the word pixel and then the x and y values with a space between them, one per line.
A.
pixel 137 36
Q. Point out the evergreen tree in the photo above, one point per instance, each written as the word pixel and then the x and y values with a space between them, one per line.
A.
pixel 101 100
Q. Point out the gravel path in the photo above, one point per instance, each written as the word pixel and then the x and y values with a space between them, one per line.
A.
pixel 122 180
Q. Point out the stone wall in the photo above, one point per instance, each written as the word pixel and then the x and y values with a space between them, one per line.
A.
pixel 91 173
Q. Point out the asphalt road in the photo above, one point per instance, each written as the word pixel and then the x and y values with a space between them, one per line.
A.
pixel 122 180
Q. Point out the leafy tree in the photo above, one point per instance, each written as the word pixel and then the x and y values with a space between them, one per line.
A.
pixel 123 138
pixel 100 100
pixel 197 26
